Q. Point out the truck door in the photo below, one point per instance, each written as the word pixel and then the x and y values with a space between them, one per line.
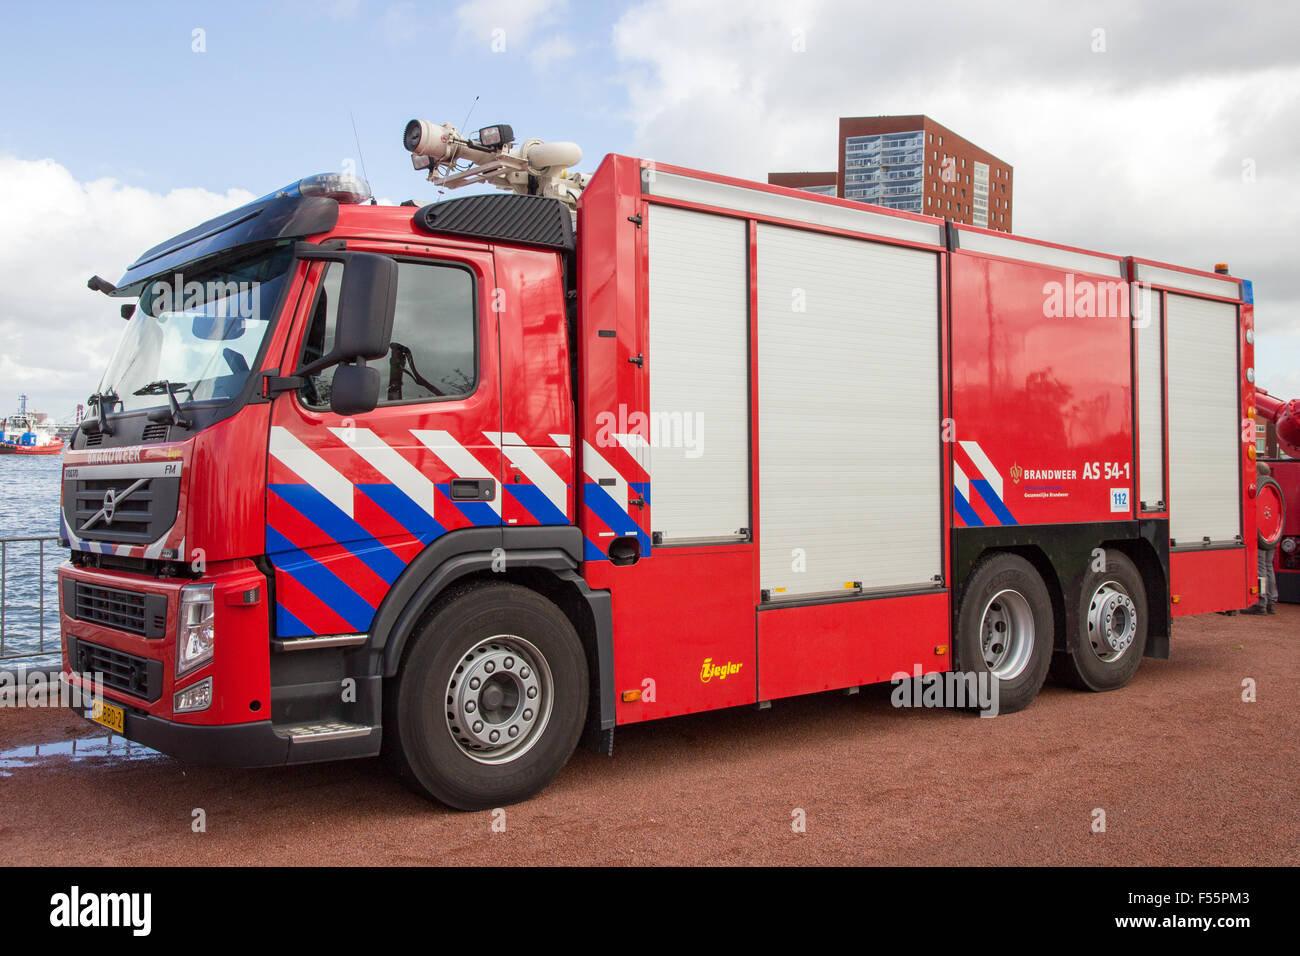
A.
pixel 352 500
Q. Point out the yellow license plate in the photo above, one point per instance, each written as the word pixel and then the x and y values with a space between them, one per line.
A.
pixel 104 713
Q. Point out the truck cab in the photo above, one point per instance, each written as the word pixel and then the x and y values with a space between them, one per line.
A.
pixel 309 399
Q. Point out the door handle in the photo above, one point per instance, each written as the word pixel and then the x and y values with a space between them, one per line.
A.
pixel 473 489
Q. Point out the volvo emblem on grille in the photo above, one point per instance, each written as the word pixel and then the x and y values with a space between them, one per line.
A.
pixel 112 497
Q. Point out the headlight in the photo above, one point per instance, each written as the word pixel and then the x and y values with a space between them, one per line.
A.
pixel 196 632
pixel 195 697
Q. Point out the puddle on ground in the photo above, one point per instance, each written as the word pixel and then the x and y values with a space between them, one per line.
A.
pixel 109 749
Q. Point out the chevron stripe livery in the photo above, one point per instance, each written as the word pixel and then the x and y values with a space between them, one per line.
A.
pixel 977 493
pixel 347 513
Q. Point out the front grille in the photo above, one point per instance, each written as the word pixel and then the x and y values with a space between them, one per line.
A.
pixel 140 513
pixel 143 614
pixel 137 676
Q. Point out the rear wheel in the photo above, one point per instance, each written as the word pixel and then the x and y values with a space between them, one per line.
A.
pixel 1004 628
pixel 490 699
pixel 1112 628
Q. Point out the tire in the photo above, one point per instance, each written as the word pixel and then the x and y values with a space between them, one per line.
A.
pixel 503 653
pixel 1004 595
pixel 1113 627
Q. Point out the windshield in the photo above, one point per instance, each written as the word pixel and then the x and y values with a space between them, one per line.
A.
pixel 197 334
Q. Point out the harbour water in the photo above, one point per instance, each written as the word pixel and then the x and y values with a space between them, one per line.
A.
pixel 29 507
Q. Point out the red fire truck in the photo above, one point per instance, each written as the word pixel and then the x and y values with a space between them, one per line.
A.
pixel 471 481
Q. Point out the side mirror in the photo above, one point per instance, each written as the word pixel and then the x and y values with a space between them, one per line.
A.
pixel 354 390
pixel 367 299
pixel 363 325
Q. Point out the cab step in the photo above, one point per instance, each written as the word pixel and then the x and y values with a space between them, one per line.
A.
pixel 321 731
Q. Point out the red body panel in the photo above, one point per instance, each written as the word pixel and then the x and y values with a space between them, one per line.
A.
pixel 614 394
pixel 672 613
pixel 536 394
pixel 1056 430
pixel 229 466
pixel 803 650
pixel 1214 580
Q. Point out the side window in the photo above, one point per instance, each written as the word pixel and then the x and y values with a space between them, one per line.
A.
pixel 433 351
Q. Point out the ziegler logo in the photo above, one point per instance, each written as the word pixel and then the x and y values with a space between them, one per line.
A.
pixel 1016 472
pixel 711 670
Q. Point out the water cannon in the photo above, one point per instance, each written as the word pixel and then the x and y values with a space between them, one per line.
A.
pixel 1285 416
pixel 532 168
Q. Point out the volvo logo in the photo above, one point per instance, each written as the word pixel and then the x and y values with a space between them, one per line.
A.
pixel 112 497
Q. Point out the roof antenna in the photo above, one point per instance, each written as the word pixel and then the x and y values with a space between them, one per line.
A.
pixel 470 113
pixel 360 155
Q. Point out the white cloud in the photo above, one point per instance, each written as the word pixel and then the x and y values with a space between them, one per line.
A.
pixel 1135 151
pixel 57 335
pixel 558 47
pixel 508 26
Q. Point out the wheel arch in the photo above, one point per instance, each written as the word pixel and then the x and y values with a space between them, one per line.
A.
pixel 1061 555
pixel 542 559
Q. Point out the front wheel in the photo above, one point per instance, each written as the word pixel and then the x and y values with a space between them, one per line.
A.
pixel 490 699
pixel 1112 628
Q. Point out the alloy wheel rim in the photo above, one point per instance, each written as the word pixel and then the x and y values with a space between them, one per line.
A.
pixel 1007 634
pixel 1112 621
pixel 499 699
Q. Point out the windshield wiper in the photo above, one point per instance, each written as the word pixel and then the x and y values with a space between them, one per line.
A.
pixel 173 411
pixel 101 416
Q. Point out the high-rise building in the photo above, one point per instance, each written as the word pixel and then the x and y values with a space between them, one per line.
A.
pixel 914 164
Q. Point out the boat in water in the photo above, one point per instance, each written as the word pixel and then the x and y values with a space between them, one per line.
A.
pixel 28 434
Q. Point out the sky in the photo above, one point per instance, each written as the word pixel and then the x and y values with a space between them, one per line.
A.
pixel 1169 131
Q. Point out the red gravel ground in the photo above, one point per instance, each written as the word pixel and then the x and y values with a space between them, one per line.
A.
pixel 1186 771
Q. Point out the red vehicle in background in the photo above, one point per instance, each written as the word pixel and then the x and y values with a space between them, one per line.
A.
pixel 468 481
pixel 1279 520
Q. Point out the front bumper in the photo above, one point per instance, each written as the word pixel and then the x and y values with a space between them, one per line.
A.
pixel 234 745
pixel 256 744
pixel 140 663
pixel 268 707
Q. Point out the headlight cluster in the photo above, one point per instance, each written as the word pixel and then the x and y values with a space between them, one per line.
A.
pixel 196 634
